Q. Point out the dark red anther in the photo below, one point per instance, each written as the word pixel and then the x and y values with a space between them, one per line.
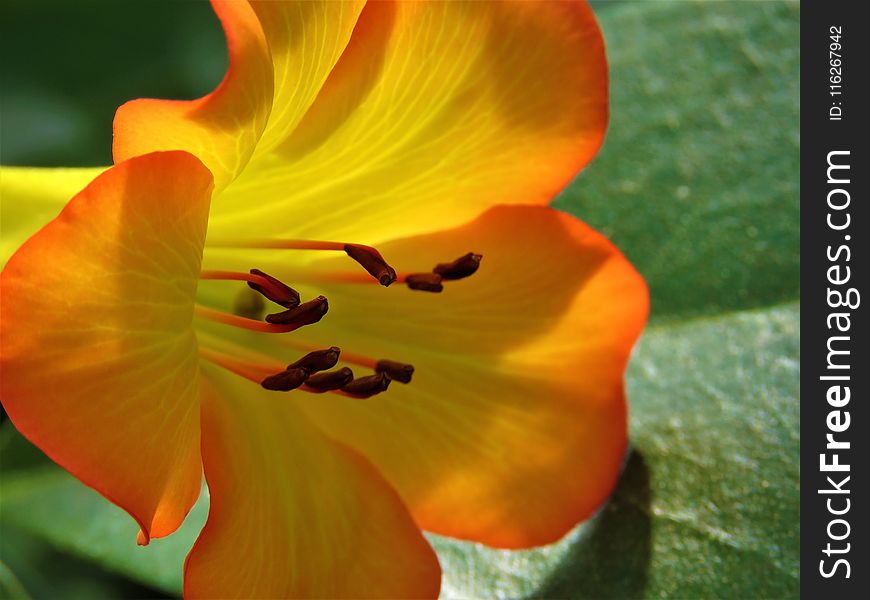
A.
pixel 372 261
pixel 461 267
pixel 426 282
pixel 330 380
pixel 396 371
pixel 370 385
pixel 304 314
pixel 276 291
pixel 285 380
pixel 319 360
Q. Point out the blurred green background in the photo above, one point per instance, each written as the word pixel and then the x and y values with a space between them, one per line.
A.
pixel 697 183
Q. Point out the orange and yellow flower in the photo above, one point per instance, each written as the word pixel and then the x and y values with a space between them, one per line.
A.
pixel 132 352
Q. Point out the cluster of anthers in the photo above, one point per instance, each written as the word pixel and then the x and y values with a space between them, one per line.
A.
pixel 313 372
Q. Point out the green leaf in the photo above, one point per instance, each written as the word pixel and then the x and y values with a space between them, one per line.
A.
pixel 697 181
pixel 10 586
pixel 76 62
pixel 50 504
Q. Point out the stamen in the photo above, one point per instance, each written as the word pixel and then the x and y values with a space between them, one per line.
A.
pixel 349 357
pixel 368 257
pixel 231 276
pixel 322 277
pixel 285 380
pixel 270 287
pixel 398 371
pixel 319 360
pixel 304 371
pixel 329 380
pixel 277 291
pixel 304 314
pixel 227 319
pixel 401 372
pixel 372 261
pixel 269 376
pixel 364 387
pixel 425 282
pixel 460 268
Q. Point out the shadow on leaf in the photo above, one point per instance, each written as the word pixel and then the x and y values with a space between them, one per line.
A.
pixel 612 559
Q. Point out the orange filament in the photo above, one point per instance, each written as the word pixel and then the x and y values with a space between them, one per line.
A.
pixel 277 244
pixel 281 244
pixel 358 359
pixel 252 371
pixel 234 276
pixel 344 277
pixel 368 257
pixel 271 288
pixel 242 322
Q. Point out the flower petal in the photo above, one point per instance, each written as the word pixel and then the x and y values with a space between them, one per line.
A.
pixel 305 39
pixel 221 128
pixel 31 197
pixel 294 515
pixel 435 112
pixel 99 359
pixel 514 427
pixel 280 55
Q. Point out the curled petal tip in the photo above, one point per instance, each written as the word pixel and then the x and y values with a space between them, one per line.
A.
pixel 142 538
